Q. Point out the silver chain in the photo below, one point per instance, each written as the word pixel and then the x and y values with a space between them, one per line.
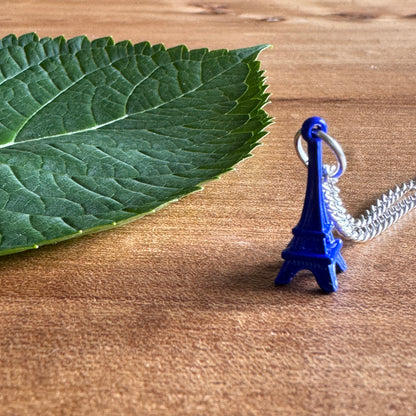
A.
pixel 385 212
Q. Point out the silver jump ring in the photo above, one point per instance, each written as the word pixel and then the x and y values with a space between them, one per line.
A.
pixel 334 146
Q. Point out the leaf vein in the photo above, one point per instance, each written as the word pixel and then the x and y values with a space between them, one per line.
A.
pixel 130 114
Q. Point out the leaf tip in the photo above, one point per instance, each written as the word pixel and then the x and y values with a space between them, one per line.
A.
pixel 251 53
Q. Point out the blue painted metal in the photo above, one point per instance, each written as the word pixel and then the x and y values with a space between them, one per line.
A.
pixel 313 246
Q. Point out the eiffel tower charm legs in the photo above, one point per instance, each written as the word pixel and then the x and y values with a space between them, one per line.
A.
pixel 323 266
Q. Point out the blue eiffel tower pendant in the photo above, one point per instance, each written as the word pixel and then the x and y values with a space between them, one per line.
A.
pixel 313 246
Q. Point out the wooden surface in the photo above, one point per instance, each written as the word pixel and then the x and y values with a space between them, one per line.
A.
pixel 176 314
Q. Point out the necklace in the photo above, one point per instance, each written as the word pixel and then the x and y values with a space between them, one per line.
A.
pixel 313 246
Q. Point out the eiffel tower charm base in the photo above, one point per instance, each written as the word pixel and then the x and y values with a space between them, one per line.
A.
pixel 323 266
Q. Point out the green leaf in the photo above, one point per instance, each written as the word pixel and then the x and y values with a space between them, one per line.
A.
pixel 95 134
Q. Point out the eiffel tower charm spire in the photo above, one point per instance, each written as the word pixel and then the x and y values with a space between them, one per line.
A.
pixel 313 247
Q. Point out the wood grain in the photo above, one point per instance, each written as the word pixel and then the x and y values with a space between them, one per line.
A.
pixel 176 314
